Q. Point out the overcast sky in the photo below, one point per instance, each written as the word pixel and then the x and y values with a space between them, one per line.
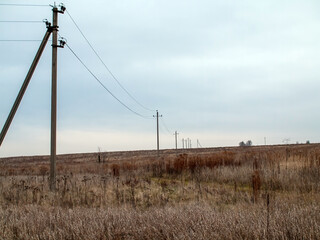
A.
pixel 218 71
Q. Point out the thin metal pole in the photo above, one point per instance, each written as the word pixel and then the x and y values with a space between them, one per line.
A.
pixel 54 100
pixel 24 86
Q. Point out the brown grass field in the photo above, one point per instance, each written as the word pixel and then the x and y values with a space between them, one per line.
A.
pixel 258 192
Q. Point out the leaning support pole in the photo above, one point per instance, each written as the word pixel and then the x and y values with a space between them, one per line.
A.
pixel 25 84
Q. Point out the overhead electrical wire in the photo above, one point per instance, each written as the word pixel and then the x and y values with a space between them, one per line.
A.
pixel 20 21
pixel 112 75
pixel 122 103
pixel 165 126
pixel 22 40
pixel 161 129
pixel 18 40
pixel 24 5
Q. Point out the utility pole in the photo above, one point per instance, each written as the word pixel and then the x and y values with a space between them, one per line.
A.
pixel 157 116
pixel 198 144
pixel 55 46
pixel 176 137
pixel 50 29
pixel 189 143
pixel 182 142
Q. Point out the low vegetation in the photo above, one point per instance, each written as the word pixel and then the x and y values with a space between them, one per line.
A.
pixel 223 193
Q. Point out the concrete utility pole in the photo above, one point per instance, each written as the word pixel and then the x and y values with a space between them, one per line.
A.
pixel 55 46
pixel 157 116
pixel 182 142
pixel 189 143
pixel 176 138
pixel 50 29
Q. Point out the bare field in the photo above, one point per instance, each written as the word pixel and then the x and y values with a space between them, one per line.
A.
pixel 265 192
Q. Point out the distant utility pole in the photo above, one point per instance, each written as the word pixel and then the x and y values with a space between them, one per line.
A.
pixel 286 140
pixel 198 144
pixel 265 141
pixel 176 137
pixel 182 142
pixel 186 142
pixel 157 116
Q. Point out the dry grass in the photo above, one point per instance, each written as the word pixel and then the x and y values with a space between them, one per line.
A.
pixel 235 193
pixel 191 221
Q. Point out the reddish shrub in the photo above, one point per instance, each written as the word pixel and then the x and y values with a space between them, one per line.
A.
pixel 115 168
pixel 180 163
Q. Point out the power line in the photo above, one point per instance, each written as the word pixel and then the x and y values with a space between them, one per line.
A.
pixel 165 126
pixel 21 40
pixel 123 104
pixel 20 21
pixel 24 5
pixel 17 40
pixel 113 76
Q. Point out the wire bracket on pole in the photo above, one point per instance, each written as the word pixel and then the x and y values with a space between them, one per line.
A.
pixel 61 10
pixel 62 42
pixel 48 24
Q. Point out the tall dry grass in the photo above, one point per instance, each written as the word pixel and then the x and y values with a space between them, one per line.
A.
pixel 238 193
pixel 190 221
